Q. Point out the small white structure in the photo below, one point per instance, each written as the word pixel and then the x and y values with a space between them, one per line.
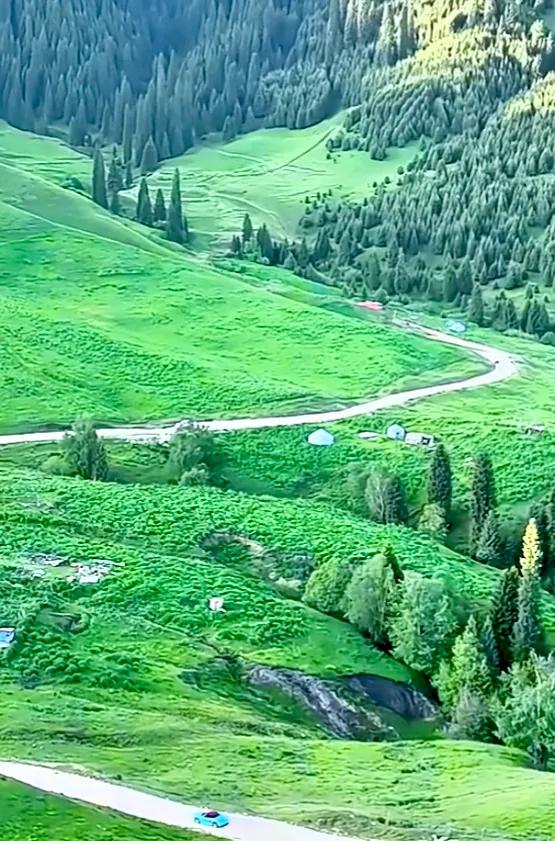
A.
pixel 368 436
pixel 7 636
pixel 535 429
pixel 396 432
pixel 216 604
pixel 321 438
pixel 419 439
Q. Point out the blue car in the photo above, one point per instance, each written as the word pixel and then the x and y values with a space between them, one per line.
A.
pixel 212 818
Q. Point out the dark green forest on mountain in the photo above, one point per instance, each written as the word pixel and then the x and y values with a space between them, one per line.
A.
pixel 468 82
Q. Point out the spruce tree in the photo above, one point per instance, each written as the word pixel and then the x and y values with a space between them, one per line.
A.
pixel 528 631
pixel 468 668
pixel 489 647
pixel 488 550
pixel 99 194
pixel 144 207
pixel 115 206
pixel 264 242
pixel 115 179
pixel 476 306
pixel 175 225
pixel 440 480
pixel 504 615
pixel 247 229
pixel 159 207
pixel 395 503
pixel 149 159
pixel 128 175
pixel 482 497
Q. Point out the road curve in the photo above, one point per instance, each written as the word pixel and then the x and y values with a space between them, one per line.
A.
pixel 138 804
pixel 503 365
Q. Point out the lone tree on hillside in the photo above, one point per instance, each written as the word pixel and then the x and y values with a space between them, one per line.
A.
pixel 99 195
pixel 144 207
pixel 528 631
pixel 440 480
pixel 85 452
pixel 176 226
pixel 483 498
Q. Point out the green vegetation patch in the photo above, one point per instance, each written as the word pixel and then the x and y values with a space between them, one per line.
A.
pixel 28 814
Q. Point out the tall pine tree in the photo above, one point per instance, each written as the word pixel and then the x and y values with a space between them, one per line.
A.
pixel 482 498
pixel 175 225
pixel 504 615
pixel 144 207
pixel 440 480
pixel 99 194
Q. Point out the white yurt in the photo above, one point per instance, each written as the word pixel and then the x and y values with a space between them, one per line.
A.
pixel 321 438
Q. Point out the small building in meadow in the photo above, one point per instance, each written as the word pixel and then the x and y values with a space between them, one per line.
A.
pixel 419 439
pixel 396 432
pixel 321 438
pixel 535 429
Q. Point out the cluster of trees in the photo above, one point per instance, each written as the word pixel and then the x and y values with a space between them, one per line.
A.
pixel 487 669
pixel 495 683
pixel 194 456
pixel 477 194
pixel 155 77
pixel 106 188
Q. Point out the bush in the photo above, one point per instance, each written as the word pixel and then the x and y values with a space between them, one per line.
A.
pixel 326 586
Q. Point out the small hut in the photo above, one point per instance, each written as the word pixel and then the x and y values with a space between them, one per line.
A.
pixel 419 439
pixel 321 438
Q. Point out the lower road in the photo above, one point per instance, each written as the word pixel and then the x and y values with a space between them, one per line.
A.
pixel 502 366
pixel 138 804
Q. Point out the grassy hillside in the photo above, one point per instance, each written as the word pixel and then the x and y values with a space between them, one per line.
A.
pixel 98 318
pixel 27 814
pixel 174 520
pixel 128 677
pixel 267 174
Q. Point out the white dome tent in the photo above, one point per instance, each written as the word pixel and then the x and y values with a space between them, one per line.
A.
pixel 321 438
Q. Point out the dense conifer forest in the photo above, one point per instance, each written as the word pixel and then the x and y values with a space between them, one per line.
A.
pixel 169 71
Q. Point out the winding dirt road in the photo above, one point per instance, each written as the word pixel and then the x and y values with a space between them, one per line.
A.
pixel 503 365
pixel 130 801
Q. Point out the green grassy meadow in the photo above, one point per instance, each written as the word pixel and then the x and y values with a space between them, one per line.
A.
pixel 98 317
pixel 134 678
pixel 27 815
pixel 267 174
pixel 146 690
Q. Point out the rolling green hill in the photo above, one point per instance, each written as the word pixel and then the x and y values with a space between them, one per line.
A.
pixel 133 674
pixel 99 318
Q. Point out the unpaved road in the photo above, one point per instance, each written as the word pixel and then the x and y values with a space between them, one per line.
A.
pixel 162 810
pixel 503 365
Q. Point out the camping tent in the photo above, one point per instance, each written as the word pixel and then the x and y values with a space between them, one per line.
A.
pixel 321 438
